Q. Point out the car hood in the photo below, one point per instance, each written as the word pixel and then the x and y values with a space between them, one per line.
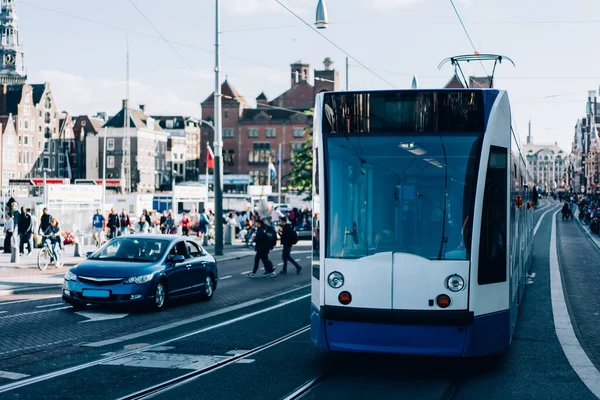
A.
pixel 114 269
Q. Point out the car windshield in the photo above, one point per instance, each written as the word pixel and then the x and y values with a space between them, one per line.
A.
pixel 132 249
pixel 401 193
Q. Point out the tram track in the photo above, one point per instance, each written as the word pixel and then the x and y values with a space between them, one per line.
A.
pixel 306 387
pixel 66 371
pixel 163 387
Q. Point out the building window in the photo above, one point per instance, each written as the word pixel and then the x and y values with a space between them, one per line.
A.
pixel 27 110
pixel 226 114
pixel 82 123
pixel 40 113
pixel 26 140
pixel 258 177
pixel 252 132
pixel 270 132
pixel 20 139
pixel 33 126
pixel 20 157
pixel 46 163
pixel 47 118
pixel 298 132
pixel 26 124
pixel 260 154
pixel 110 162
pixel 125 143
pixel 229 158
pixel 110 144
pixel 228 132
pixel 61 158
pixel 27 97
pixel 61 172
pixel 39 146
pixel 48 103
pixel 54 147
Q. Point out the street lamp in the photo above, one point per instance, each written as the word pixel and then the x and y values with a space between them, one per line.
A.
pixel 321 19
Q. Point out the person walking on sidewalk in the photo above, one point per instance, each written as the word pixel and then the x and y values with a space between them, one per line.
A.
pixel 186 224
pixel 113 223
pixel 262 246
pixel 124 223
pixel 9 228
pixel 98 225
pixel 25 227
pixel 289 237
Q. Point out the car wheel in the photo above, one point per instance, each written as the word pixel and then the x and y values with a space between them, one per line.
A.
pixel 160 296
pixel 209 288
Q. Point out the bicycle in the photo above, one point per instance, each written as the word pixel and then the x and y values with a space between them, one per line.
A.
pixel 46 255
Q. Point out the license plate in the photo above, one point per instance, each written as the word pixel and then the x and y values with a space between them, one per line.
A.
pixel 96 293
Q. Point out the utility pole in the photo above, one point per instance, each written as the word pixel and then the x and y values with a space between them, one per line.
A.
pixel 104 174
pixel 218 145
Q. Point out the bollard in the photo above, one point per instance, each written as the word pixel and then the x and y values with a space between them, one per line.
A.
pixel 205 240
pixel 15 256
pixel 76 252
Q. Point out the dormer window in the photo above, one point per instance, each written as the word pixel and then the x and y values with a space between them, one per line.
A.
pixel 48 103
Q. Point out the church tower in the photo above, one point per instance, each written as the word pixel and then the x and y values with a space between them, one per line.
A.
pixel 11 47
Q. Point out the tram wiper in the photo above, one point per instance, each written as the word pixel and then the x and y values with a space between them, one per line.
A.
pixel 444 238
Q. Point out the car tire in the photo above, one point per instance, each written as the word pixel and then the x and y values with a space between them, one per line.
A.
pixel 160 296
pixel 208 289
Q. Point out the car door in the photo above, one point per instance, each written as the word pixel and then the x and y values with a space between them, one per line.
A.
pixel 199 266
pixel 178 273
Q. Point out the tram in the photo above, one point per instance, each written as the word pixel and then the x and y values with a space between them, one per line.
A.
pixel 425 229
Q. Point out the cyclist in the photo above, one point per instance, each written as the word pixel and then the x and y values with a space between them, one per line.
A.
pixel 53 234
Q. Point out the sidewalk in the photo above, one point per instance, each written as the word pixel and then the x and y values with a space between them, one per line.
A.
pixel 26 277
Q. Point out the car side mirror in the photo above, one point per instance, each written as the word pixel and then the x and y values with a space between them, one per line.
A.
pixel 177 259
pixel 89 254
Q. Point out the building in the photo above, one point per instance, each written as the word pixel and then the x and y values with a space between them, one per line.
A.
pixel 83 126
pixel 183 146
pixel 548 164
pixel 11 48
pixel 585 162
pixel 134 139
pixel 252 135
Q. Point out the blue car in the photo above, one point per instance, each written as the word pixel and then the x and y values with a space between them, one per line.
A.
pixel 142 269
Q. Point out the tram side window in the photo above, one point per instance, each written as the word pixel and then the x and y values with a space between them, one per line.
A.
pixel 492 247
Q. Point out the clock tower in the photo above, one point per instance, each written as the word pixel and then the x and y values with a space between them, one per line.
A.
pixel 12 67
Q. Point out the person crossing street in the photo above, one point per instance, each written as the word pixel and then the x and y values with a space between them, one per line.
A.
pixel 262 246
pixel 289 237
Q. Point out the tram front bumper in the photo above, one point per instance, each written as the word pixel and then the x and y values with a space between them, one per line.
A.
pixel 417 333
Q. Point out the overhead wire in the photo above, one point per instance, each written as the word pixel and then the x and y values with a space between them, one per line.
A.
pixel 333 43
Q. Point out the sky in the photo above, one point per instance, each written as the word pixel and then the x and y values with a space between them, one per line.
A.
pixel 79 46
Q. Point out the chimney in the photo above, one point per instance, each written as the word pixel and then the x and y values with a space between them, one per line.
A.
pixel 125 103
pixel 143 107
pixel 529 138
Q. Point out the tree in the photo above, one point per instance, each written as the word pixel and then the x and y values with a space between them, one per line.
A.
pixel 300 177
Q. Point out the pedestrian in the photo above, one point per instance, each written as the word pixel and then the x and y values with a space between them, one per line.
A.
pixel 163 222
pixel 289 237
pixel 171 227
pixel 8 233
pixel 262 247
pixel 113 223
pixel 98 224
pixel 44 220
pixel 24 227
pixel 203 223
pixel 34 227
pixel 124 223
pixel 142 225
pixel 185 225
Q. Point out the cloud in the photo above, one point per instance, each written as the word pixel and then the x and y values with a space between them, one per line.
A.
pixel 246 7
pixel 392 4
pixel 79 95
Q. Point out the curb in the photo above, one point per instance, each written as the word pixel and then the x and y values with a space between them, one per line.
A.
pixel 29 290
pixel 586 229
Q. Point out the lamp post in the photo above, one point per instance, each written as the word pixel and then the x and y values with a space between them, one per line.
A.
pixel 46 186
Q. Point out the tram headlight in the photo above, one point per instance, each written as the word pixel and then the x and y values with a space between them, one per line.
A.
pixel 455 283
pixel 335 280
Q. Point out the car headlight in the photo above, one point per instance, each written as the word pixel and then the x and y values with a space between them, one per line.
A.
pixel 138 280
pixel 70 276
pixel 455 283
pixel 335 280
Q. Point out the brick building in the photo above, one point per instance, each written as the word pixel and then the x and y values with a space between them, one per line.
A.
pixel 252 134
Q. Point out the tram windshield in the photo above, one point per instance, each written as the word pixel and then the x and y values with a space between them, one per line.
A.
pixel 402 193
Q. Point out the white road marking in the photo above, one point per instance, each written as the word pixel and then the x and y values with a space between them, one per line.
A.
pixel 280 264
pixel 54 374
pixel 34 312
pixel 12 375
pixel 225 310
pixel 577 357
pixel 308 258
pixel 4 303
pixel 3 312
pixel 153 359
pixel 245 273
pixel 226 277
pixel 537 226
pixel 51 305
pixel 301 252
pixel 94 316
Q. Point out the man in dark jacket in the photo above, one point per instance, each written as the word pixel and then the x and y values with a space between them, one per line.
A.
pixel 289 237
pixel 262 245
pixel 113 223
pixel 25 226
pixel 45 220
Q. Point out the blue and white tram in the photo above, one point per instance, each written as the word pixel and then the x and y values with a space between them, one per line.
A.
pixel 425 226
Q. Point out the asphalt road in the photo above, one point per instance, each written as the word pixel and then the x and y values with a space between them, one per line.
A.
pixel 251 342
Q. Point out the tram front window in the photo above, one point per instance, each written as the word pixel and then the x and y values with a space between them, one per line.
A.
pixel 410 194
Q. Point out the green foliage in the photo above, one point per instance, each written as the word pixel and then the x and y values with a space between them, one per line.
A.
pixel 300 177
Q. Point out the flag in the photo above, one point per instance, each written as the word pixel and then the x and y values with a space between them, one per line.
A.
pixel 210 158
pixel 272 171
